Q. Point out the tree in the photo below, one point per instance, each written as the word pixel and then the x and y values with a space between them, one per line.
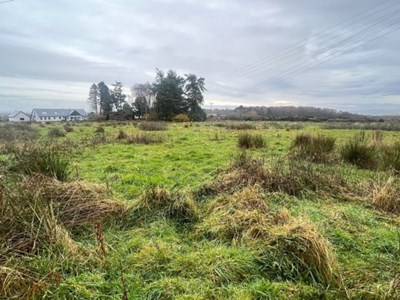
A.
pixel 94 99
pixel 105 100
pixel 117 96
pixel 169 100
pixel 141 106
pixel 143 94
pixel 127 112
pixel 194 88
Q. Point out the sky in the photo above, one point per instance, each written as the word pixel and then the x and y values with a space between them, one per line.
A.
pixel 334 53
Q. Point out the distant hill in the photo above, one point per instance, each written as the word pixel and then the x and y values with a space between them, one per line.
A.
pixel 286 113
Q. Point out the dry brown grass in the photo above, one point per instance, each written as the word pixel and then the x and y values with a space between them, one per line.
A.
pixel 308 250
pixel 386 196
pixel 243 215
pixel 36 213
pixel 291 177
pixel 160 201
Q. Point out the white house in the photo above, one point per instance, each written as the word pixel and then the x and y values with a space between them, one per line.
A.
pixel 57 115
pixel 19 116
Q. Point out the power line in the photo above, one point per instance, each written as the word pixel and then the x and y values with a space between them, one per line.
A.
pixel 295 72
pixel 371 28
pixel 299 45
pixel 2 2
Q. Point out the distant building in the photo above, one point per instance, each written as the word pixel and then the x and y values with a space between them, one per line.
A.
pixel 19 116
pixel 57 115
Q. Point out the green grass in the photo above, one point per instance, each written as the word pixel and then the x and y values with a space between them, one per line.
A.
pixel 152 253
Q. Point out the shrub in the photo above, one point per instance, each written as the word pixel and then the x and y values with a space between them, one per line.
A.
pixel 152 126
pixel 357 152
pixel 248 140
pixel 56 132
pixel 181 118
pixel 314 148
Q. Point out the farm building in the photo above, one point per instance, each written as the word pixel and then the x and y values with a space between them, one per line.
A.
pixel 19 116
pixel 58 115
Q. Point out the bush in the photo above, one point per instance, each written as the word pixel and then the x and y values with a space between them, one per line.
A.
pixel 181 118
pixel 314 148
pixel 248 140
pixel 357 152
pixel 152 126
pixel 56 132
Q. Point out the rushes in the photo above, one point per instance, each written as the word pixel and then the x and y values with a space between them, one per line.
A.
pixel 248 140
pixel 313 148
pixel 152 126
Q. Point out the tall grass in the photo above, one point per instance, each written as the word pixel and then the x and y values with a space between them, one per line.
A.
pixel 316 148
pixel 152 126
pixel 359 153
pixel 247 140
pixel 43 160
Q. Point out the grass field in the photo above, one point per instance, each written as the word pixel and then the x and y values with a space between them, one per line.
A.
pixel 182 213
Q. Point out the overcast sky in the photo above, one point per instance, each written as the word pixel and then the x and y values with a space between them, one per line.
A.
pixel 334 53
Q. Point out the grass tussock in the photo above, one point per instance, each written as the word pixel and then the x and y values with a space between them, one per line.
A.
pixel 357 152
pixel 33 159
pixel 160 201
pixel 56 132
pixel 243 215
pixel 386 196
pixel 292 177
pixel 239 126
pixel 144 138
pixel 247 140
pixel 390 157
pixel 152 126
pixel 99 129
pixel 315 148
pixel 297 249
pixel 68 128
pixel 121 135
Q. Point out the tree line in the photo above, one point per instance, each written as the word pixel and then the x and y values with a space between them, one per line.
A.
pixel 168 96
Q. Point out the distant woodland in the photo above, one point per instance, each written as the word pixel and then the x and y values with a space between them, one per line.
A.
pixel 285 113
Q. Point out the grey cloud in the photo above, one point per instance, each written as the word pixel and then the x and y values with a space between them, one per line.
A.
pixel 79 42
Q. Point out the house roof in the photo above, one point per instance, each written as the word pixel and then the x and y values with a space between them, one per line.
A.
pixel 12 115
pixel 56 112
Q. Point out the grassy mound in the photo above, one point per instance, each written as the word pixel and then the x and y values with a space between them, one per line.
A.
pixel 298 251
pixel 160 201
pixel 37 212
pixel 243 215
